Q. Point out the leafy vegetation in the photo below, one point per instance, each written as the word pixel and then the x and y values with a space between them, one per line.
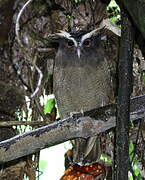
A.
pixel 134 163
pixel 50 104
pixel 114 13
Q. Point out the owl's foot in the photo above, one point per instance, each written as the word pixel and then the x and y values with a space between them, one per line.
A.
pixel 77 114
pixel 74 114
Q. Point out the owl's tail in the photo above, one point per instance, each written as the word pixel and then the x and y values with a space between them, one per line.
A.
pixel 86 150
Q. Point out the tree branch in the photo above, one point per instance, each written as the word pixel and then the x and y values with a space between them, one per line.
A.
pixel 67 129
pixel 25 123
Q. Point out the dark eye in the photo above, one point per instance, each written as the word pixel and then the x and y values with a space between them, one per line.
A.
pixel 87 43
pixel 70 44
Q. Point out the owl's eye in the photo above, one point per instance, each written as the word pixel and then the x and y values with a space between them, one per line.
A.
pixel 87 43
pixel 70 44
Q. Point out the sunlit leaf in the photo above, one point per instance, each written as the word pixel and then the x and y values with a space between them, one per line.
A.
pixel 50 104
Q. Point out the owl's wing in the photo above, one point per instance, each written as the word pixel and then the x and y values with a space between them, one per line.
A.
pixel 111 47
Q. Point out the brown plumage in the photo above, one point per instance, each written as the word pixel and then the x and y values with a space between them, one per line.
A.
pixel 82 81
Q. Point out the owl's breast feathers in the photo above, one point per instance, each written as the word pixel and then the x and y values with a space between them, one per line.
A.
pixel 82 88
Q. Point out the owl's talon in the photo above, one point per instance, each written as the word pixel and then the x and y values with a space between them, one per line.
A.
pixel 77 114
pixel 82 112
pixel 73 114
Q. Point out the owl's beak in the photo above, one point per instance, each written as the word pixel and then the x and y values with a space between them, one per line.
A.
pixel 79 52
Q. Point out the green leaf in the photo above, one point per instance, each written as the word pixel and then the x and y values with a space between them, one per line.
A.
pixel 131 150
pixel 43 164
pixel 135 163
pixel 144 77
pixel 48 107
pixel 114 13
pixel 106 158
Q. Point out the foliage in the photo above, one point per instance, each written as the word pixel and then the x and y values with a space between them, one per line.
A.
pixel 106 158
pixel 114 13
pixel 144 77
pixel 50 104
pixel 43 165
pixel 134 163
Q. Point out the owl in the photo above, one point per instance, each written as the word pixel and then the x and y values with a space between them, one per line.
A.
pixel 82 81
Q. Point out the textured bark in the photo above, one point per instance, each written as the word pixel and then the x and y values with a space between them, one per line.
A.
pixel 6 12
pixel 26 123
pixel 123 101
pixel 136 11
pixel 67 129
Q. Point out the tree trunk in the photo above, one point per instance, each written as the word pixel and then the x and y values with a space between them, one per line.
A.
pixel 123 101
pixel 136 10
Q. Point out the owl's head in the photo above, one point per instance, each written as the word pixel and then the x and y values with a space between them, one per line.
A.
pixel 80 42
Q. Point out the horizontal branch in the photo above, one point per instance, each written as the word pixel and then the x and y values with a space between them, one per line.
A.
pixel 25 123
pixel 67 129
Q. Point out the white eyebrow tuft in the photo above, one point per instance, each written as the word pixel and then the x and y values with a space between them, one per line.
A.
pixel 68 36
pixel 64 34
pixel 88 35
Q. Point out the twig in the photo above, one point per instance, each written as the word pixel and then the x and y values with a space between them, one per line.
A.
pixel 20 77
pixel 33 63
pixel 39 81
pixel 17 26
pixel 25 123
